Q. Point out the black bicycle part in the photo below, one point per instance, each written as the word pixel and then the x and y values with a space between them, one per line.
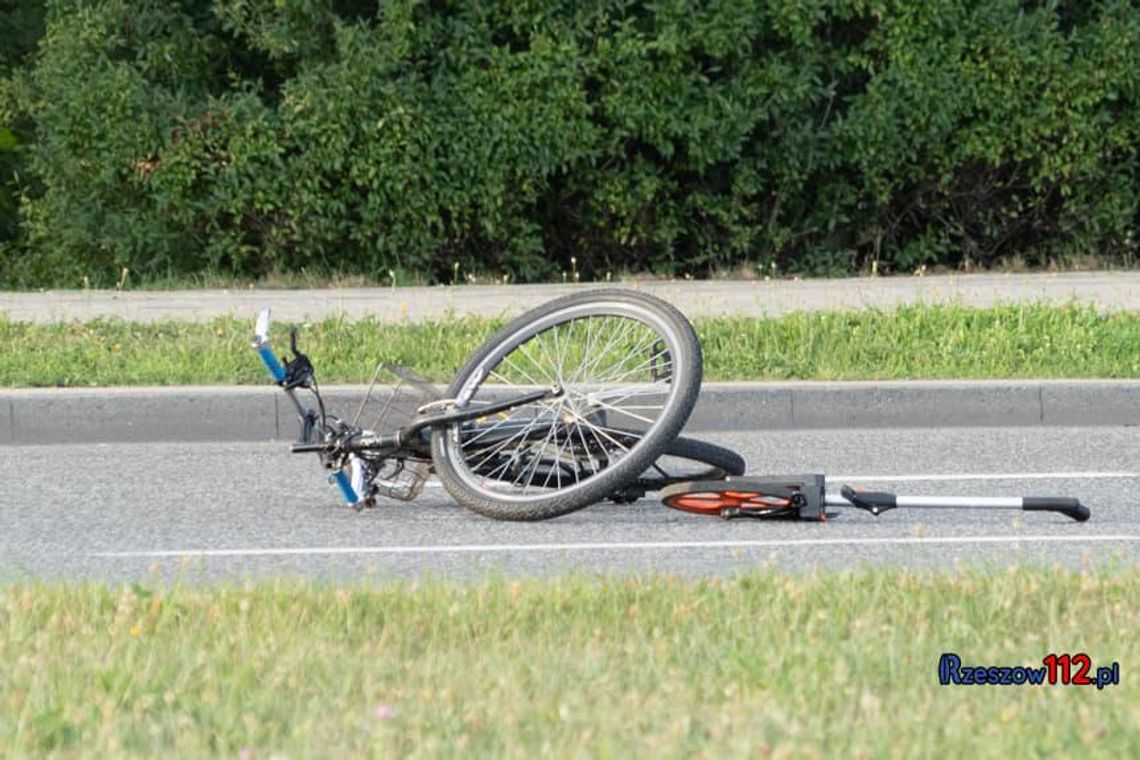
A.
pixel 660 362
pixel 717 463
pixel 299 371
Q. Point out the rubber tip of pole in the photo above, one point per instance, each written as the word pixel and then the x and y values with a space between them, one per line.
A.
pixel 1069 507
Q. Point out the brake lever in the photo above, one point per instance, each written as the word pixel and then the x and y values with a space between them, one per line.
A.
pixel 293 330
pixel 299 371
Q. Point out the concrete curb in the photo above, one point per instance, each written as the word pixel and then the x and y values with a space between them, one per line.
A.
pixel 190 414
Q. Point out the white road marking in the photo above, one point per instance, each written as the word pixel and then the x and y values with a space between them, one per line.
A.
pixel 621 546
pixel 952 477
pixel 992 476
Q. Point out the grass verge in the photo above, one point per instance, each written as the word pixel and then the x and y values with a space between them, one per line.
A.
pixel 763 664
pixel 912 342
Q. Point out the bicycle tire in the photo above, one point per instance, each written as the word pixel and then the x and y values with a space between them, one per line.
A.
pixel 718 463
pixel 683 460
pixel 673 345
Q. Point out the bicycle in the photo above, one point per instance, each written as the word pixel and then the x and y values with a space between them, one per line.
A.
pixel 574 402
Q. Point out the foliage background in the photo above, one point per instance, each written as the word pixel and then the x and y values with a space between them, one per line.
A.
pixel 528 138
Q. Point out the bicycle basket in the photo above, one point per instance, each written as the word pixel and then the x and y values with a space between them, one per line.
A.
pixel 395 395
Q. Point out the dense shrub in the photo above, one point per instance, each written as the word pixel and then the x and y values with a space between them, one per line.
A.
pixel 531 137
pixel 21 24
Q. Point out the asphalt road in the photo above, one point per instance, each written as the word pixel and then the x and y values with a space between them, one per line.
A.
pixel 228 511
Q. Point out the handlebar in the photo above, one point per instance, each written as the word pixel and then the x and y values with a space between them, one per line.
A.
pixel 260 344
pixel 351 444
pixel 271 362
pixel 309 448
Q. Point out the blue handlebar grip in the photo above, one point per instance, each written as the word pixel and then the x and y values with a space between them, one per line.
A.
pixel 340 478
pixel 271 361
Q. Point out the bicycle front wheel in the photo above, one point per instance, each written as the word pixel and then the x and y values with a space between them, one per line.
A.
pixel 628 366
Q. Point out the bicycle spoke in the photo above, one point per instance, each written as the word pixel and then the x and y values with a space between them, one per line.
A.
pixel 585 448
pixel 537 460
pixel 558 459
pixel 520 370
pixel 625 411
pixel 630 354
pixel 595 429
pixel 540 346
pixel 559 354
pixel 619 342
pixel 485 431
pixel 589 365
pixel 504 444
pixel 638 369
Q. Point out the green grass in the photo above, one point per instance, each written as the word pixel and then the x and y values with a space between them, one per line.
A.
pixel 913 342
pixel 764 664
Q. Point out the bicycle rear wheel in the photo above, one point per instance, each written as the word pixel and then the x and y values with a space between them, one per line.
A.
pixel 629 368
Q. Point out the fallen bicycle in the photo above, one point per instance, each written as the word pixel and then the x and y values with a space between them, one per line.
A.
pixel 577 401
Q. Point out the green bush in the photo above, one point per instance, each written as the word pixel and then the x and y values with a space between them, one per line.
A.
pixel 535 137
pixel 991 128
pixel 21 24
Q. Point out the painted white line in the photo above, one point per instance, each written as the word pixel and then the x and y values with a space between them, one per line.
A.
pixel 620 546
pixel 992 476
pixel 957 476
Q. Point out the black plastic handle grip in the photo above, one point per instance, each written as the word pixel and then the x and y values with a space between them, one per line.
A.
pixel 1067 506
pixel 304 448
pixel 875 502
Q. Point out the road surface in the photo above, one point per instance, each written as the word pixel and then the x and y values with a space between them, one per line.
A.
pixel 210 512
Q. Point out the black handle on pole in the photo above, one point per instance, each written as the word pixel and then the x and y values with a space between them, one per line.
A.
pixel 875 502
pixel 1066 506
